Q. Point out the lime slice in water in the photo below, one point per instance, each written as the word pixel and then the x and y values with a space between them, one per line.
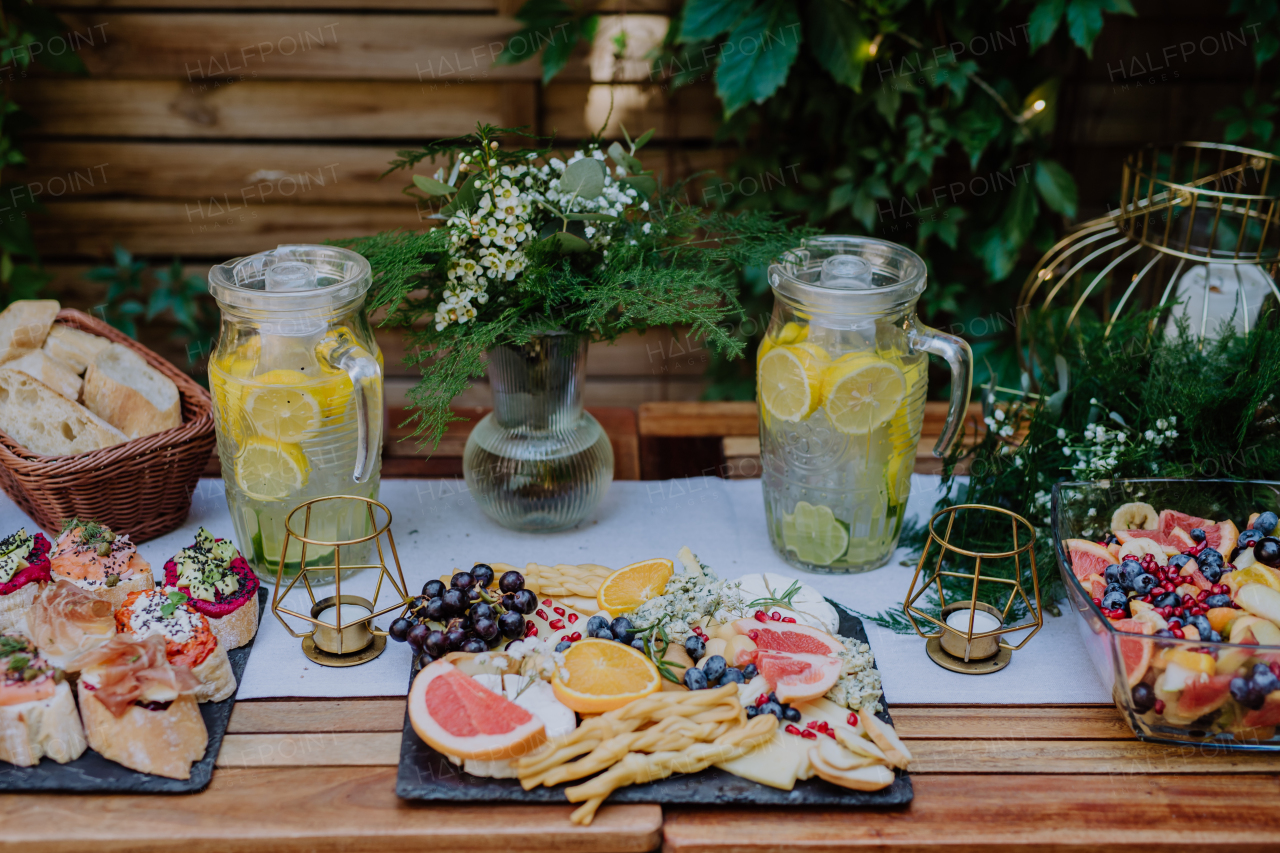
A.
pixel 814 534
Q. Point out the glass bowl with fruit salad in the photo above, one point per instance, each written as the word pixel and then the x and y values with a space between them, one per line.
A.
pixel 1177 583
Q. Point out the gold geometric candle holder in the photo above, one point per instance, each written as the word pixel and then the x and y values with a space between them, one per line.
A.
pixel 970 635
pixel 339 641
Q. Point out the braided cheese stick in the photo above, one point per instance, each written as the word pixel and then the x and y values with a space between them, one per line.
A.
pixel 671 735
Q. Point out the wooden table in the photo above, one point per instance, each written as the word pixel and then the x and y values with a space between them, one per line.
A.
pixel 318 775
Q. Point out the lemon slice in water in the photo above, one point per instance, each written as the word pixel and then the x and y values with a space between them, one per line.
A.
pixel 270 470
pixel 862 393
pixel 789 383
pixel 279 409
pixel 814 534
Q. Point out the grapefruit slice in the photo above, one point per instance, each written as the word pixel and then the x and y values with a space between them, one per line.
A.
pixel 456 716
pixel 797 677
pixel 1174 542
pixel 788 637
pixel 1221 536
pixel 1135 654
pixel 1204 694
pixel 1087 558
pixel 1267 715
pixel 1096 584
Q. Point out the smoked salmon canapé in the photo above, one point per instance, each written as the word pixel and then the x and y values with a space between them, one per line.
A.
pixel 24 570
pixel 139 710
pixel 188 639
pixel 38 715
pixel 100 561
pixel 220 584
pixel 65 622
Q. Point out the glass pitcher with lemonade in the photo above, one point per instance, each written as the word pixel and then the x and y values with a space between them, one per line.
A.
pixel 840 379
pixel 296 379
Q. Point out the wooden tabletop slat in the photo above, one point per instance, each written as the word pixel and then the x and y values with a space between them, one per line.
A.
pixel 266 716
pixel 306 810
pixel 311 749
pixel 1110 813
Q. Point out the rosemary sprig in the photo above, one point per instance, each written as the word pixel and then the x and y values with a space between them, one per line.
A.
pixel 785 600
pixel 11 645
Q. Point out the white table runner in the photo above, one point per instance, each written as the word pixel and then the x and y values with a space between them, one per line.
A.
pixel 437 527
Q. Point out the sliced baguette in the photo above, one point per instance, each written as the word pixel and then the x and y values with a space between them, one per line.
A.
pixel 31 730
pixel 41 366
pixel 14 607
pixel 45 422
pixel 141 579
pixel 217 681
pixel 237 628
pixel 131 395
pixel 74 348
pixel 161 742
pixel 24 326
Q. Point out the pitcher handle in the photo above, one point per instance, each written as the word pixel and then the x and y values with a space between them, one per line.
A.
pixel 959 357
pixel 344 353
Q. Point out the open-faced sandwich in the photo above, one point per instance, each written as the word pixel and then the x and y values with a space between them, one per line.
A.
pixel 24 569
pixel 65 622
pixel 100 561
pixel 37 712
pixel 189 641
pixel 139 709
pixel 220 584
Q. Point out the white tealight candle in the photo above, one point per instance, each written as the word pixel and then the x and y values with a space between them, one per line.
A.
pixel 351 614
pixel 982 621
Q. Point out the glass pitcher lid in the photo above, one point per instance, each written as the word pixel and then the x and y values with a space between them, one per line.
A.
pixel 299 278
pixel 843 274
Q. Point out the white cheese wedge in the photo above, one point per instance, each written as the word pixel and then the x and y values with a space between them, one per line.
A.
pixel 570 620
pixel 809 607
pixel 777 762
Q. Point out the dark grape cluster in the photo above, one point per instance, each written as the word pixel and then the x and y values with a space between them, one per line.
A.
pixel 469 615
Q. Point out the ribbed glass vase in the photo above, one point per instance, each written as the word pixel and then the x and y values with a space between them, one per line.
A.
pixel 538 462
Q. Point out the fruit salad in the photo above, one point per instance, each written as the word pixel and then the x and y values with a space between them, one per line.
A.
pixel 1204 596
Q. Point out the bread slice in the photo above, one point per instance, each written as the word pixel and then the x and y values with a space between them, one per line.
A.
pixel 39 365
pixel 45 422
pixel 217 681
pixel 116 595
pixel 31 730
pixel 74 348
pixel 165 743
pixel 14 607
pixel 238 627
pixel 24 326
pixel 122 389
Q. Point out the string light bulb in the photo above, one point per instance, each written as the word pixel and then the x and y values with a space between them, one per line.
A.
pixel 874 47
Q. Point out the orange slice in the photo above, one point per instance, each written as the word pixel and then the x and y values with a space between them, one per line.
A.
pixel 1257 573
pixel 633 585
pixel 601 675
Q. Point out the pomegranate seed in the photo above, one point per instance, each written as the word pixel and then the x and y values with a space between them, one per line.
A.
pixel 812 724
pixel 1177 632
pixel 559 611
pixel 1147 598
pixel 775 616
pixel 1098 601
pixel 790 619
pixel 808 735
pixel 761 699
pixel 791 729
pixel 829 733
pixel 1178 611
pixel 1275 668
pixel 542 614
pixel 753 634
pixel 556 624
pixel 530 630
pixel 1202 595
pixel 574 637
pixel 852 719
pixel 1197 611
pixel 546 602
pixel 1159 706
pixel 573 617
pixel 760 616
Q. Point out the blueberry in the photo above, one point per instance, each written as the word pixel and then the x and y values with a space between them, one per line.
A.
pixel 1144 698
pixel 1242 691
pixel 399 629
pixel 511 581
pixel 601 634
pixel 1129 570
pixel 732 675
pixel 695 679
pixel 715 668
pixel 483 611
pixel 595 623
pixel 1264 680
pixel 433 589
pixel 1266 522
pixel 773 697
pixel 752 711
pixel 1248 538
pixel 462 580
pixel 1115 600
pixel 1202 626
pixel 1209 557
pixel 622 629
pixel 749 671
pixel 1212 573
pixel 436 644
pixel 524 602
pixel 1197 534
pixel 1111 574
pixel 1212 637
pixel 474 646
pixel 483 573
pixel 695 646
pixel 417 636
pixel 563 645
pixel 1113 587
pixel 1168 599
pixel 1144 583
pixel 454 601
pixel 1163 632
pixel 637 644
pixel 1179 560
pixel 511 625
pixel 774 708
pixel 1219 600
pixel 1267 551
pixel 791 715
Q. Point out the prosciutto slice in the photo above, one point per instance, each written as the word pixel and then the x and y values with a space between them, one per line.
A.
pixel 66 620
pixel 126 668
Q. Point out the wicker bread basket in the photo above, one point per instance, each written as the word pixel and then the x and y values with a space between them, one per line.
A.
pixel 142 487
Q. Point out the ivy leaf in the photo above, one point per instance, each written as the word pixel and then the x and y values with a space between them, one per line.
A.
pixel 431 186
pixel 551 27
pixel 1084 19
pixel 888 99
pixel 758 55
pixel 1044 21
pixel 836 39
pixel 590 217
pixel 584 177
pixel 703 20
pixel 1056 187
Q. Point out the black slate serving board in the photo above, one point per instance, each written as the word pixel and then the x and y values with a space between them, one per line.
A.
pixel 428 776
pixel 91 773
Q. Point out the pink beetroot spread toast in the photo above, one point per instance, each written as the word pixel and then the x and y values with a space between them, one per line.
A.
pixel 214 576
pixel 31 567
